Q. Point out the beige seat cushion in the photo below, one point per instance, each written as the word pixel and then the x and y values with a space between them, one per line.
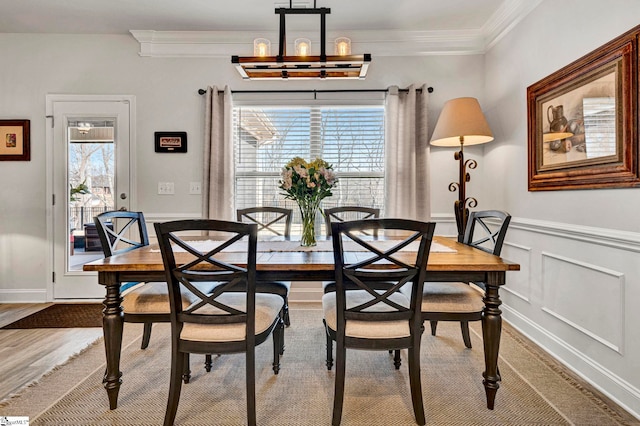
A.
pixel 153 298
pixel 451 297
pixel 268 307
pixel 367 329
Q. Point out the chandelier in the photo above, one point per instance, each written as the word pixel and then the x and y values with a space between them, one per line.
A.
pixel 303 65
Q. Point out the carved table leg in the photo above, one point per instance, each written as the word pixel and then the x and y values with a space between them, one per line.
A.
pixel 491 330
pixel 112 325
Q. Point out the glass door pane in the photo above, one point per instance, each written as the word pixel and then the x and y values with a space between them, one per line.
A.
pixel 90 166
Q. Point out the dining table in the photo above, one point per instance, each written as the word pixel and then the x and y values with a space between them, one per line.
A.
pixel 285 260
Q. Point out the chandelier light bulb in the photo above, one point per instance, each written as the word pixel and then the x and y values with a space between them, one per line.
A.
pixel 303 47
pixel 261 47
pixel 343 46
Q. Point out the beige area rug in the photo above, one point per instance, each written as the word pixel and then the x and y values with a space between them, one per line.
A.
pixel 532 391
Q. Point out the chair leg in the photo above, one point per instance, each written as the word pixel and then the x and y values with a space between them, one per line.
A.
pixel 464 326
pixel 338 397
pixel 208 362
pixel 278 339
pixel 186 370
pixel 397 361
pixel 283 315
pixel 175 385
pixel 434 325
pixel 329 361
pixel 415 382
pixel 287 321
pixel 251 386
pixel 146 335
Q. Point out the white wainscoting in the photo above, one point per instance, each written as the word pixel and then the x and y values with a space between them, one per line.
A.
pixel 576 296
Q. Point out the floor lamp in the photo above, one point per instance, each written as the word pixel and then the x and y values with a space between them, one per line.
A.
pixel 461 123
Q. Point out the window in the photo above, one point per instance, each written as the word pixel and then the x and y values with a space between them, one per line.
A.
pixel 351 138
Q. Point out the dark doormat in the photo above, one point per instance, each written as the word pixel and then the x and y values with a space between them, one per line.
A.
pixel 74 315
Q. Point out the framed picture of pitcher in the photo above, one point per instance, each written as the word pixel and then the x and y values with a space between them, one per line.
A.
pixel 583 121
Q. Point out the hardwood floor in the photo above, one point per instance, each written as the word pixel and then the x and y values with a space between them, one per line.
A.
pixel 29 354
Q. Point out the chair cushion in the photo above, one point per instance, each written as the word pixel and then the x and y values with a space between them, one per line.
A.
pixel 268 308
pixel 280 288
pixel 366 329
pixel 451 297
pixel 275 287
pixel 153 298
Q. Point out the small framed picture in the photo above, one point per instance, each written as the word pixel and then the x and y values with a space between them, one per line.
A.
pixel 14 140
pixel 171 141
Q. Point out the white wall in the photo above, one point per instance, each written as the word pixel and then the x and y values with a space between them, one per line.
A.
pixel 166 99
pixel 580 281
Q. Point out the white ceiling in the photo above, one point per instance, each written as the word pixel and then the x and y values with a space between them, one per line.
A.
pixel 454 25
pixel 120 16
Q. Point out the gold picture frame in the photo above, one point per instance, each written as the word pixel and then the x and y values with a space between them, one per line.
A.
pixel 583 121
pixel 14 140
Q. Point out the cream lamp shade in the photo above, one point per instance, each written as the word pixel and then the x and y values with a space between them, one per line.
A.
pixel 461 122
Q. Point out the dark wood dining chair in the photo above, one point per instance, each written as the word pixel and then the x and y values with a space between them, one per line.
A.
pixel 346 213
pixel 271 221
pixel 373 319
pixel 119 232
pixel 220 321
pixel 122 231
pixel 342 214
pixel 459 301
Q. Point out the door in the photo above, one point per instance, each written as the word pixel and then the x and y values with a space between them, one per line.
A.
pixel 89 147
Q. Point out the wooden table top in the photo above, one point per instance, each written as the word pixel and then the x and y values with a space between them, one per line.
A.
pixel 465 258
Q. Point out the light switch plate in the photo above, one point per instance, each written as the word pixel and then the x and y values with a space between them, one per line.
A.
pixel 195 188
pixel 166 188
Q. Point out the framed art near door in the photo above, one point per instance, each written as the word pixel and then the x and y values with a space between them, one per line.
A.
pixel 583 121
pixel 171 141
pixel 14 140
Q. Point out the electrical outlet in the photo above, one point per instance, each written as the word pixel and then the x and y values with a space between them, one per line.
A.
pixel 195 188
pixel 166 188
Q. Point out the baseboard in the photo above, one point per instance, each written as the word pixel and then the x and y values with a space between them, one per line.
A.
pixel 17 295
pixel 603 380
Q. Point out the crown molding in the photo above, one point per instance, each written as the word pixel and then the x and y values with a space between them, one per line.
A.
pixel 504 19
pixel 377 43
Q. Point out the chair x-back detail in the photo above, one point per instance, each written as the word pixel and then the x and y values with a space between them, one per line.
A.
pixel 271 221
pixel 222 320
pixel 348 213
pixel 373 319
pixel 458 301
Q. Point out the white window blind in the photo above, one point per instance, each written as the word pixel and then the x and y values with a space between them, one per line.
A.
pixel 351 138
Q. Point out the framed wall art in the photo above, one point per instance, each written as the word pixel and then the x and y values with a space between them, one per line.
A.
pixel 14 140
pixel 583 121
pixel 171 141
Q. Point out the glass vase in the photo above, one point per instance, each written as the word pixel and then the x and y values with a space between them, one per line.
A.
pixel 308 238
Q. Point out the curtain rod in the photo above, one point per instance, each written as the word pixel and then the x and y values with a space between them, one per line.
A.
pixel 203 91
